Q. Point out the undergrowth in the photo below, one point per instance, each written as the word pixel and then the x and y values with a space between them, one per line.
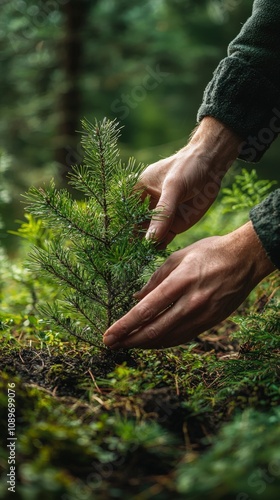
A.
pixel 150 427
pixel 197 421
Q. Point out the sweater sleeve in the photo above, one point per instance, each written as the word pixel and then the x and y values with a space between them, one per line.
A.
pixel 245 90
pixel 266 221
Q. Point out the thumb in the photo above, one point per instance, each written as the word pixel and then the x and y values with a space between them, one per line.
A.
pixel 163 217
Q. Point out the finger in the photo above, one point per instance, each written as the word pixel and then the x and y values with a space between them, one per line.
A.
pixel 154 334
pixel 145 191
pixel 146 311
pixel 174 327
pixel 169 237
pixel 153 198
pixel 142 227
pixel 164 214
pixel 178 324
pixel 161 221
pixel 174 337
pixel 193 320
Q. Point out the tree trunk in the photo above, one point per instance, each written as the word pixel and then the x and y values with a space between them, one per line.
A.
pixel 70 60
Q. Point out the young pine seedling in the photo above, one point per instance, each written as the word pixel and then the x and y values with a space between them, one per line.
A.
pixel 93 252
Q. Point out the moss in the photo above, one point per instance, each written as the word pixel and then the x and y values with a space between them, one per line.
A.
pixel 191 422
pixel 243 463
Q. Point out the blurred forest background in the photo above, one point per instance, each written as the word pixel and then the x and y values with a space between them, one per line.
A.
pixel 144 63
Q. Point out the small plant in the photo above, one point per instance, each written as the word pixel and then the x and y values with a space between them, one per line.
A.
pixel 246 191
pixel 92 251
pixel 243 462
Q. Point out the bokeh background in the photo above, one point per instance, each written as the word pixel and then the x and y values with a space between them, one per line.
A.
pixel 144 63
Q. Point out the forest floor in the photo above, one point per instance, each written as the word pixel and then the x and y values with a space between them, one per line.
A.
pixel 198 421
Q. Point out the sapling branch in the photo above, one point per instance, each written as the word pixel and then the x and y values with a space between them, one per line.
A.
pixel 80 181
pixel 76 304
pixel 61 277
pixel 71 224
pixel 92 253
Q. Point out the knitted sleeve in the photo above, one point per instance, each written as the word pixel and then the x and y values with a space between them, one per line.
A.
pixel 244 94
pixel 245 90
pixel 266 221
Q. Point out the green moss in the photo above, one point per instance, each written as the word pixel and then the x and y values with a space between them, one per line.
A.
pixel 198 421
pixel 243 463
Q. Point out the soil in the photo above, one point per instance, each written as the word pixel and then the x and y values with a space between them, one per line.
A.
pixel 60 372
pixel 65 374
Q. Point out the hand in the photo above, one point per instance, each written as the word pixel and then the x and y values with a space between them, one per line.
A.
pixel 195 289
pixel 183 186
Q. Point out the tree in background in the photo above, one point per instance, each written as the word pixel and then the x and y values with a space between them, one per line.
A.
pixel 70 53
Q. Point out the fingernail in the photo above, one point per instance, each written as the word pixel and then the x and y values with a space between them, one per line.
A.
pixel 115 346
pixel 109 340
pixel 150 234
pixel 140 295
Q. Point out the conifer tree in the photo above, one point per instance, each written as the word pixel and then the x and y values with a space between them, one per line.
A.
pixel 92 251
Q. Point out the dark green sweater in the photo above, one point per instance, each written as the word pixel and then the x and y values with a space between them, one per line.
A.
pixel 245 95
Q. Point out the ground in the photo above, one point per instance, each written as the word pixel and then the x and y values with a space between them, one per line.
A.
pixel 174 423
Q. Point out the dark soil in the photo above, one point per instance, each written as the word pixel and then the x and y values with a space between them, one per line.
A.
pixel 66 375
pixel 60 372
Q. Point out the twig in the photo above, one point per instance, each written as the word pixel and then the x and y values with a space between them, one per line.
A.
pixel 94 381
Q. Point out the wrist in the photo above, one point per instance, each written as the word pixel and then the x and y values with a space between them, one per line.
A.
pixel 215 142
pixel 248 250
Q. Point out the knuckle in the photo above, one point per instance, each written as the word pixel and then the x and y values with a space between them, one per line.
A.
pixel 145 312
pixel 171 179
pixel 152 333
pixel 174 183
pixel 123 330
pixel 198 301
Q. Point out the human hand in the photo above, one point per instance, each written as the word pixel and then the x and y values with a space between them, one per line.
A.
pixel 183 186
pixel 195 289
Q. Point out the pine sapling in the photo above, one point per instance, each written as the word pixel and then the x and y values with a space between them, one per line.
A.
pixel 93 253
